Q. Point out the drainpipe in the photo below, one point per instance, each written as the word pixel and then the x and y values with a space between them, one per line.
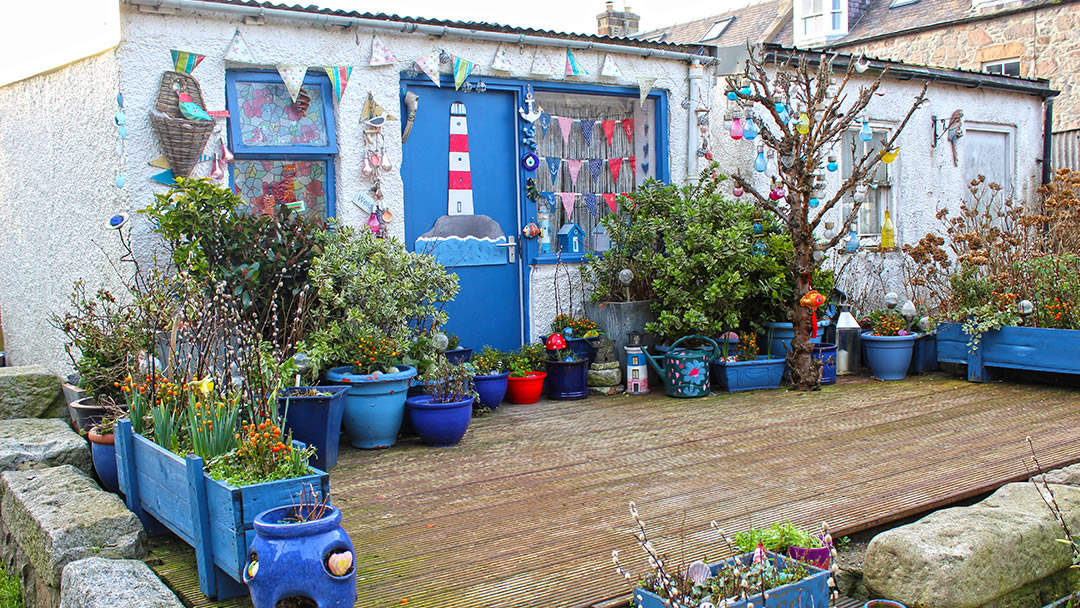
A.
pixel 694 75
pixel 326 20
pixel 1048 127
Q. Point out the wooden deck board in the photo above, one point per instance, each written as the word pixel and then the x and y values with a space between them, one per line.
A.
pixel 526 511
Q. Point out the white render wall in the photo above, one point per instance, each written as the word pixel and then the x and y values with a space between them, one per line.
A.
pixel 924 177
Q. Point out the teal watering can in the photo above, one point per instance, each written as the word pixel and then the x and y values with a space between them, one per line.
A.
pixel 685 371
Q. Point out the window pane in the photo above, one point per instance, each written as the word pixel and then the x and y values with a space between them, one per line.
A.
pixel 878 191
pixel 1011 68
pixel 264 183
pixel 836 5
pixel 817 7
pixel 993 69
pixel 268 116
pixel 836 21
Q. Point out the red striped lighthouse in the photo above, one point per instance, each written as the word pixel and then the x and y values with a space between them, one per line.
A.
pixel 460 186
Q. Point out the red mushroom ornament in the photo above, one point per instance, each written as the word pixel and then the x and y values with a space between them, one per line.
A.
pixel 556 342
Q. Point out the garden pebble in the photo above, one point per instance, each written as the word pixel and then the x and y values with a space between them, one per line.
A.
pixel 113 583
pixel 30 391
pixel 30 443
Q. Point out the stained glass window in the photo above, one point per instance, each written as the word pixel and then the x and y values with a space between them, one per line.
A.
pixel 269 117
pixel 299 184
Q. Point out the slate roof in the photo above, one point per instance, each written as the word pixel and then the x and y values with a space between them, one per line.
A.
pixel 751 22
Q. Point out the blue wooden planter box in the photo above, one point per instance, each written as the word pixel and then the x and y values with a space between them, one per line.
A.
pixel 810 591
pixel 211 516
pixel 1026 348
pixel 747 375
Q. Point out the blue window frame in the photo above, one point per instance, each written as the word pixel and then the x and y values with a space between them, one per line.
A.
pixel 285 150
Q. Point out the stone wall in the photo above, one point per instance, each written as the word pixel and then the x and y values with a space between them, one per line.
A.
pixel 1044 39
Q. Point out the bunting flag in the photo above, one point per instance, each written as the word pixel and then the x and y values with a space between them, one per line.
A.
pixel 573 68
pixel 541 66
pixel 462 69
pixel 553 167
pixel 501 62
pixel 372 109
pixel 628 128
pixel 429 65
pixel 574 166
pixel 293 77
pixel 616 165
pixel 564 126
pixel 339 77
pixel 567 202
pixel 609 130
pixel 612 201
pixel 185 61
pixel 590 203
pixel 160 162
pixel 645 85
pixel 586 131
pixel 633 163
pixel 596 165
pixel 380 53
pixel 238 49
pixel 545 122
pixel 610 68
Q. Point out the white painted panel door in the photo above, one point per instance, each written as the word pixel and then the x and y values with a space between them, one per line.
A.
pixel 986 153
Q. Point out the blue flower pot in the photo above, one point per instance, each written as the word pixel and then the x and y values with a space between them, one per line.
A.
pixel 826 353
pixel 581 347
pixel 103 453
pixel 747 375
pixel 374 405
pixel 888 356
pixel 458 356
pixel 491 388
pixel 781 334
pixel 567 380
pixel 289 560
pixel 316 420
pixel 439 424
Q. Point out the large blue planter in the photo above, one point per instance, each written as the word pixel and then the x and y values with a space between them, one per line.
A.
pixel 888 356
pixel 813 590
pixel 290 560
pixel 215 518
pixel 1028 348
pixel 567 380
pixel 374 405
pixel 491 388
pixel 780 336
pixel 826 353
pixel 315 421
pixel 103 453
pixel 747 375
pixel 439 424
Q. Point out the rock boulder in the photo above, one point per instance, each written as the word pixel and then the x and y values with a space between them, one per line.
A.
pixel 30 391
pixel 113 583
pixel 34 443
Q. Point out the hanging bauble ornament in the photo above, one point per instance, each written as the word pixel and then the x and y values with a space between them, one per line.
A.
pixel 814 202
pixel 860 194
pixel 760 164
pixel 732 95
pixel 750 129
pixel 745 91
pixel 803 126
pixel 737 192
pixel 853 242
pixel 780 107
pixel 530 162
pixel 373 223
pixel 865 134
pixel 831 165
pixel 759 247
pixel 785 118
pixel 736 131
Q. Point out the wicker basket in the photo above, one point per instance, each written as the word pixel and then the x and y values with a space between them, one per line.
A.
pixel 182 140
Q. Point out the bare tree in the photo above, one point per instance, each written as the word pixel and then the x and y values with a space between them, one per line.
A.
pixel 806 81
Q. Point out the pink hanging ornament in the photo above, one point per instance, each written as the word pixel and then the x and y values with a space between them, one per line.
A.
pixel 226 154
pixel 218 172
pixel 737 192
pixel 736 131
pixel 373 223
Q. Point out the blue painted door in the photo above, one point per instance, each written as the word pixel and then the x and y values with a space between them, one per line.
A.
pixel 459 169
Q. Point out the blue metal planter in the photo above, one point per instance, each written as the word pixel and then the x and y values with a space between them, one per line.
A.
pixel 826 353
pixel 439 424
pixel 888 356
pixel 315 421
pixel 1028 348
pixel 491 388
pixel 374 405
pixel 748 375
pixel 567 380
pixel 293 560
pixel 810 591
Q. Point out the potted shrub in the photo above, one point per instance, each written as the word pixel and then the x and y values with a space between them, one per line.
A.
pixel 749 371
pixel 490 381
pixel 888 345
pixel 526 383
pixel 301 552
pixel 789 539
pixel 455 353
pixel 441 416
pixel 313 415
pixel 579 333
pixel 567 372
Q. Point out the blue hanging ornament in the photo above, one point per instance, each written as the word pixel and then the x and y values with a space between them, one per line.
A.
pixel 865 134
pixel 750 130
pixel 120 180
pixel 732 95
pixel 760 164
pixel 814 202
pixel 852 241
pixel 780 107
pixel 745 91
pixel 120 99
pixel 831 165
pixel 784 116
pixel 759 247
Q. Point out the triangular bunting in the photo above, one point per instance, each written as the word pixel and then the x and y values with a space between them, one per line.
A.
pixel 293 77
pixel 573 68
pixel 429 64
pixel 612 201
pixel 596 165
pixel 616 165
pixel 574 166
pixel 380 53
pixel 185 61
pixel 610 68
pixel 645 84
pixel 545 122
pixel 567 202
pixel 339 77
pixel 553 168
pixel 590 203
pixel 586 131
pixel 238 49
pixel 160 162
pixel 628 128
pixel 541 66
pixel 462 69
pixel 372 109
pixel 165 177
pixel 501 62
pixel 564 126
pixel 609 130
pixel 633 163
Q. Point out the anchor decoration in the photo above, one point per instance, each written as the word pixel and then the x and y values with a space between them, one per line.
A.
pixel 532 114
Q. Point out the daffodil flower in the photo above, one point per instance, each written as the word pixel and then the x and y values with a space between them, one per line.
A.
pixel 205 386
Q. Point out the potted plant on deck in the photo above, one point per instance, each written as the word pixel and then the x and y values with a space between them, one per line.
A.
pixel 888 344
pixel 526 383
pixel 313 414
pixel 567 371
pixel 579 332
pixel 455 352
pixel 491 378
pixel 750 370
pixel 441 416
pixel 791 540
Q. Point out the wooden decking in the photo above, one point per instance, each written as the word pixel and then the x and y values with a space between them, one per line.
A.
pixel 526 511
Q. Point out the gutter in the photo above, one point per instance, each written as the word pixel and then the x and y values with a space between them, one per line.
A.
pixel 405 27
pixel 1048 150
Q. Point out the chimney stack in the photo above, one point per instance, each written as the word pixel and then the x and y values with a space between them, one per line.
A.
pixel 617 23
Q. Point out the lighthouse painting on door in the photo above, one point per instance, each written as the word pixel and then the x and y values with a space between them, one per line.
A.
pixel 462 238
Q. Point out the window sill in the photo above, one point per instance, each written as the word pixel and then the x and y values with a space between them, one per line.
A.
pixel 552 258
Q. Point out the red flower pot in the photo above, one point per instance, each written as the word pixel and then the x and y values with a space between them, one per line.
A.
pixel 525 389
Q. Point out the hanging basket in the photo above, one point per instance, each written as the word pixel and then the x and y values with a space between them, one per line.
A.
pixel 182 140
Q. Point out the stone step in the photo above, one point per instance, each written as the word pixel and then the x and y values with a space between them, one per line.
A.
pixel 95 582
pixel 34 443
pixel 30 391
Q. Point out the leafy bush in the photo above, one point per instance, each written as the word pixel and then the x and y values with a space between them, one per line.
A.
pixel 776 538
pixel 529 358
pixel 490 360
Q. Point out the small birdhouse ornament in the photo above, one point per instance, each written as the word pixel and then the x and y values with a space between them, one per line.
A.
pixel 571 238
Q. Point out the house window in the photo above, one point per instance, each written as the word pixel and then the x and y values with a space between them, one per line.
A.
pixel 838 15
pixel 717 29
pixel 879 190
pixel 582 169
pixel 1005 67
pixel 988 153
pixel 284 150
pixel 813 19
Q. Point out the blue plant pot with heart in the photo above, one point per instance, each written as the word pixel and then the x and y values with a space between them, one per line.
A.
pixel 888 356
pixel 313 560
pixel 439 424
pixel 374 405
pixel 491 389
